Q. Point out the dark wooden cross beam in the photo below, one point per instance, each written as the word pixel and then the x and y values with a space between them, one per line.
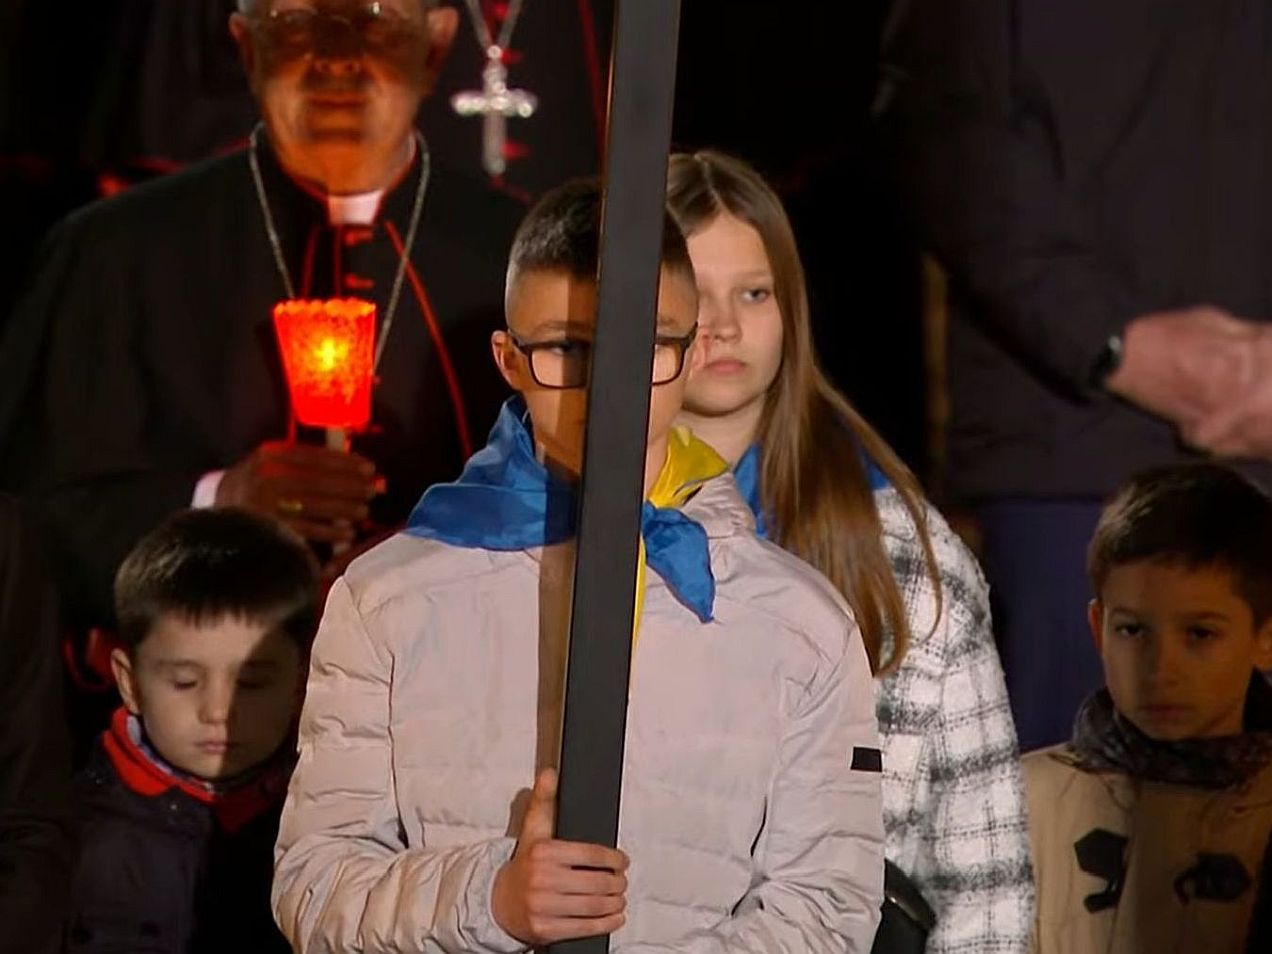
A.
pixel 642 85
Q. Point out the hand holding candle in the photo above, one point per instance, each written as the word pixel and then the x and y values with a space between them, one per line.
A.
pixel 320 493
pixel 328 353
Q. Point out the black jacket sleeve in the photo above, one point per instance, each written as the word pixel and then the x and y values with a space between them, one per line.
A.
pixel 77 411
pixel 35 828
pixel 984 169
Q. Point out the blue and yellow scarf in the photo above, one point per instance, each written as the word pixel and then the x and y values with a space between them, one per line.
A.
pixel 505 499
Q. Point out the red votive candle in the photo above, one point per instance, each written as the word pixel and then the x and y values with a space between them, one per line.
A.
pixel 328 349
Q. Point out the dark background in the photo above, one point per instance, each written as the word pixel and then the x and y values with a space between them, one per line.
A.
pixel 94 96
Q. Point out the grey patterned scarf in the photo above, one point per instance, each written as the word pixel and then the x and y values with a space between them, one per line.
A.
pixel 1105 741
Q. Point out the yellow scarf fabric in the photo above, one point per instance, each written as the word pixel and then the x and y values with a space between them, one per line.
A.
pixel 689 464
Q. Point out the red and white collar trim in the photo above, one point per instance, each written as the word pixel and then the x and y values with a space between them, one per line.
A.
pixel 234 805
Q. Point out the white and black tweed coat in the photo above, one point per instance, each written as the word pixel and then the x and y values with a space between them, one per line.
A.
pixel 954 807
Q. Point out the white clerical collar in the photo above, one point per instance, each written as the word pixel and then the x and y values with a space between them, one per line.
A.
pixel 359 209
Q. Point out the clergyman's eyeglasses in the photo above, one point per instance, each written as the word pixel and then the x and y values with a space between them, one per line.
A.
pixel 564 362
pixel 375 24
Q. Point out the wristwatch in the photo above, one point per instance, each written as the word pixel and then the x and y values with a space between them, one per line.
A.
pixel 1109 360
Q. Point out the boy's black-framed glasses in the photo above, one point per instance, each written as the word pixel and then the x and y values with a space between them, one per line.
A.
pixel 563 363
pixel 376 25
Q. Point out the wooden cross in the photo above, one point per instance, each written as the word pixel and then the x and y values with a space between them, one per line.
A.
pixel 642 87
pixel 495 103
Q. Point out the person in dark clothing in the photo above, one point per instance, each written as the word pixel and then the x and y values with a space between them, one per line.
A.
pixel 36 845
pixel 1095 177
pixel 180 801
pixel 1260 938
pixel 157 85
pixel 141 373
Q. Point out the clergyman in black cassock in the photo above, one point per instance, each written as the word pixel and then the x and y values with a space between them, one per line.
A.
pixel 143 358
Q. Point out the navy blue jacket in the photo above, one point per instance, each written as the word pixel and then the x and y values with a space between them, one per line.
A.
pixel 164 870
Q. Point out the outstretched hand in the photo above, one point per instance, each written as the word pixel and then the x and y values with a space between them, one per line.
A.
pixel 552 890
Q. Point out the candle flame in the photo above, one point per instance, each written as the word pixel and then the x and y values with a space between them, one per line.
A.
pixel 331 354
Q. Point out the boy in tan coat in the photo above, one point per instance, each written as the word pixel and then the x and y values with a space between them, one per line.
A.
pixel 1150 826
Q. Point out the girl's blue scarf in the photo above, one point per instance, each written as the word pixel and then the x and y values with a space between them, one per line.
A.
pixel 747 474
pixel 505 499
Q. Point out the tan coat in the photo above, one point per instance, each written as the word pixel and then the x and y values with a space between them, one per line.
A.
pixel 1167 827
pixel 748 827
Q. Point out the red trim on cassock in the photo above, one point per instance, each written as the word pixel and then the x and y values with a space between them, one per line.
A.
pixel 89 660
pixel 596 83
pixel 443 353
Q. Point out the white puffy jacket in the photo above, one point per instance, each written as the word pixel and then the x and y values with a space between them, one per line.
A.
pixel 433 689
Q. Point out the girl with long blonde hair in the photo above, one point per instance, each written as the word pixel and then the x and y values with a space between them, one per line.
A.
pixel 824 485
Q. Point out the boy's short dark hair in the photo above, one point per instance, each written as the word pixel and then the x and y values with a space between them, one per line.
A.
pixel 1195 515
pixel 562 233
pixel 206 565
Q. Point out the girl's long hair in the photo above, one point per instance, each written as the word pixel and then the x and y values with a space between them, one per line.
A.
pixel 815 488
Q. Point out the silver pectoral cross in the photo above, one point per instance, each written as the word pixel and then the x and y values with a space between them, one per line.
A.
pixel 495 103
